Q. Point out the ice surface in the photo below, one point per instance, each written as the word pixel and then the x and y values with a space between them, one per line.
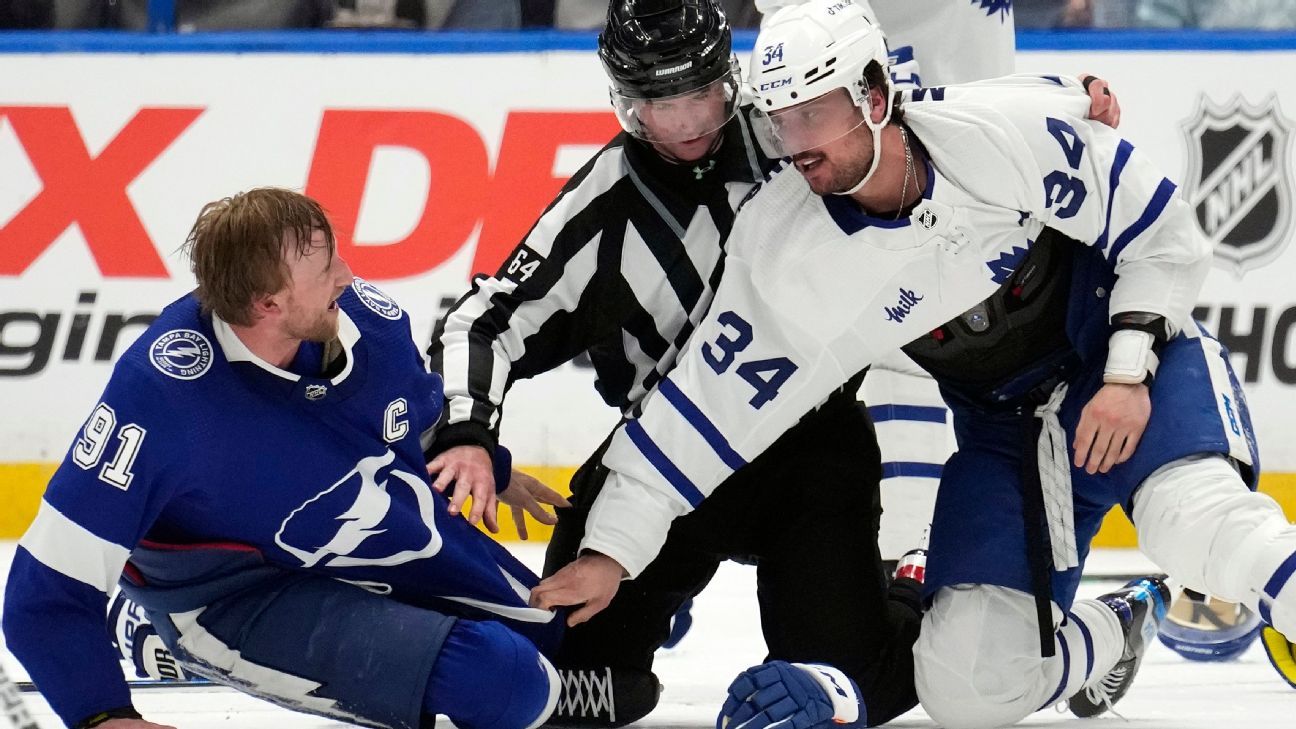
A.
pixel 1170 692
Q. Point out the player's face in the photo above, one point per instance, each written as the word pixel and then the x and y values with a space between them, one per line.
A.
pixel 838 165
pixel 310 302
pixel 686 127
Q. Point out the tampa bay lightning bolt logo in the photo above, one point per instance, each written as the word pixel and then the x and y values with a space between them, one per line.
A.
pixel 181 353
pixel 352 523
pixel 377 302
pixel 1003 7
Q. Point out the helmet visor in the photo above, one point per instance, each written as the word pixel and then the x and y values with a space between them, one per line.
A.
pixel 803 127
pixel 682 117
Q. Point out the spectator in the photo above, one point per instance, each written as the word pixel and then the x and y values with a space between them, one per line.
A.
pixel 379 14
pixel 192 15
pixel 591 14
pixel 478 15
pixel 26 15
pixel 1217 14
pixel 1054 13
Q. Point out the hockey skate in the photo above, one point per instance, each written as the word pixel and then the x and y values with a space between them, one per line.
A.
pixel 604 696
pixel 1140 606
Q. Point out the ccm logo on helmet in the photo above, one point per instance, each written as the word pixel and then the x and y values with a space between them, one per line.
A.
pixel 768 85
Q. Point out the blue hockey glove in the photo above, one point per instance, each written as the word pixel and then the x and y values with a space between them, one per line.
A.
pixel 792 696
pixel 1282 654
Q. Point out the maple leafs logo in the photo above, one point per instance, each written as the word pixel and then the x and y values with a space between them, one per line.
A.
pixel 1003 267
pixel 1003 7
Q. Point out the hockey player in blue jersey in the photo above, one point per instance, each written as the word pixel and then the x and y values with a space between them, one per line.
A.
pixel 254 474
pixel 1044 271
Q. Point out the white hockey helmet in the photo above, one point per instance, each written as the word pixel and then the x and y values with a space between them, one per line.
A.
pixel 807 77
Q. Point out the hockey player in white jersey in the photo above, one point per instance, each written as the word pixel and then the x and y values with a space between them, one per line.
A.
pixel 1044 271
pixel 931 43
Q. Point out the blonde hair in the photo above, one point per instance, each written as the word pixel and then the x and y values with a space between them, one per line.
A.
pixel 237 247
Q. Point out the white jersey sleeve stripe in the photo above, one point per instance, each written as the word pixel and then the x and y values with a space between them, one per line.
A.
pixel 669 471
pixel 702 424
pixel 1150 214
pixel 72 550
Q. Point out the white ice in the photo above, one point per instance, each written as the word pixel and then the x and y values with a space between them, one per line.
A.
pixel 1170 692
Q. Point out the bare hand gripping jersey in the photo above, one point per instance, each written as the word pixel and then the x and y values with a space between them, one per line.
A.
pixel 816 290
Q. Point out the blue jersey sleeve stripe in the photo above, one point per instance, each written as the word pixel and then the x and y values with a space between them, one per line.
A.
pixel 1123 151
pixel 1280 577
pixel 911 469
pixel 703 425
pixel 1153 211
pixel 664 466
pixel 917 413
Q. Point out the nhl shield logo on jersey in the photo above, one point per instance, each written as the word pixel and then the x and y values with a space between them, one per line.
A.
pixel 376 301
pixel 1239 180
pixel 181 353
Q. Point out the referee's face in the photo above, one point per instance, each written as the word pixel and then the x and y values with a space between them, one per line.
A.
pixel 685 127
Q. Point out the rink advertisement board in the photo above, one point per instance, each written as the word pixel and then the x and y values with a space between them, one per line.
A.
pixel 434 165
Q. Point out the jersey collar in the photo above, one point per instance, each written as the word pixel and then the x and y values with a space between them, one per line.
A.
pixel 236 351
pixel 851 218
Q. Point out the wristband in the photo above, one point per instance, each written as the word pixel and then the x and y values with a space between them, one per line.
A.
pixel 1130 359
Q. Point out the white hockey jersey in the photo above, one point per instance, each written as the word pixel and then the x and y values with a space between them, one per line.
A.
pixel 939 42
pixel 815 289
pixel 952 41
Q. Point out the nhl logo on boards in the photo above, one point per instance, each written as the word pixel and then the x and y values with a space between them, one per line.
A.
pixel 1239 180
pixel 181 353
pixel 375 300
pixel 316 392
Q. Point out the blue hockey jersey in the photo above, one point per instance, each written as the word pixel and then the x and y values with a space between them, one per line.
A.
pixel 198 441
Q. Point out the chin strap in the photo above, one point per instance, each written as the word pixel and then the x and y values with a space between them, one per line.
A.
pixel 876 130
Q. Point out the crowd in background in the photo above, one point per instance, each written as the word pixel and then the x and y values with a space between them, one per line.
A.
pixel 196 15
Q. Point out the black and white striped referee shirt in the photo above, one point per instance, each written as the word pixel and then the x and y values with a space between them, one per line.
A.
pixel 622 265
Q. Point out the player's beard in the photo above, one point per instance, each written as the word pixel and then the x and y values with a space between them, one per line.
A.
pixel 313 326
pixel 841 170
pixel 841 174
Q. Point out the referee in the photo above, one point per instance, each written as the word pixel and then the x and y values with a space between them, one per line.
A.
pixel 622 265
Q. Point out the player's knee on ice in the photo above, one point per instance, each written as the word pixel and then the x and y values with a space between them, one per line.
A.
pixel 977 661
pixel 489 677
